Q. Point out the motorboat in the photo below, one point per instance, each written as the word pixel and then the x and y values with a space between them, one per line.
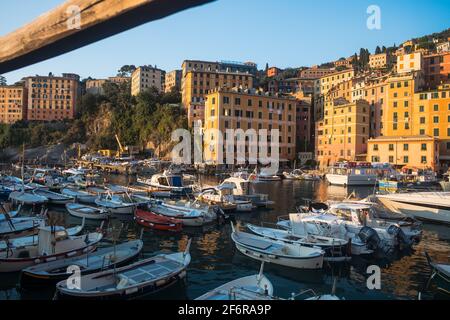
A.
pixel 277 252
pixel 138 279
pixel 53 243
pixel 87 212
pixel 101 259
pixel 427 206
pixel 352 174
pixel 167 181
pixel 115 204
pixel 440 273
pixel 335 249
pixel 33 239
pixel 255 287
pixel 81 196
pixel 241 191
pixel 53 197
pixel 154 221
pixel 222 196
pixel 50 178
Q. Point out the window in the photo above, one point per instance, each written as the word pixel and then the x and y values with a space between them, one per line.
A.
pixel 421 108
pixel 237 101
pixel 391 147
pixel 436 107
pixel 422 132
pixel 436 132
pixel 422 120
pixel 226 100
pixel 424 159
pixel 391 159
pixel 423 147
pixel 436 119
pixel 405 159
pixel 405 147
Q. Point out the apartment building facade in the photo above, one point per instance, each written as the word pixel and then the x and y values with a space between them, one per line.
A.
pixel 146 77
pixel 12 102
pixel 51 97
pixel 173 81
pixel 407 63
pixel 197 84
pixel 437 69
pixel 248 109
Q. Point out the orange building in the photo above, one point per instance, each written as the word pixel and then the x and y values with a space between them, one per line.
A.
pixel 51 98
pixel 273 71
pixel 197 84
pixel 344 133
pixel 12 101
pixel 375 95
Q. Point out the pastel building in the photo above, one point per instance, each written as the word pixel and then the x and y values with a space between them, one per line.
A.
pixel 146 77
pixel 12 102
pixel 409 62
pixel 173 81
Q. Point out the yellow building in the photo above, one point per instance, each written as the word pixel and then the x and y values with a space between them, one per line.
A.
pixel 146 77
pixel 329 81
pixel 431 116
pixel 378 61
pixel 173 80
pixel 412 151
pixel 249 109
pixel 12 101
pixel 397 111
pixel 344 133
pixel 197 84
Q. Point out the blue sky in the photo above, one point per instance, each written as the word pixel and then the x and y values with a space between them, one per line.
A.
pixel 284 33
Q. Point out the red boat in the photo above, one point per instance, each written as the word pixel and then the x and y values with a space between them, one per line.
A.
pixel 157 222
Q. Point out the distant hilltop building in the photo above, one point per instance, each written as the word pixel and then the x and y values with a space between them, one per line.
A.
pixel 146 77
pixel 173 81
pixel 273 72
pixel 12 101
pixel 95 86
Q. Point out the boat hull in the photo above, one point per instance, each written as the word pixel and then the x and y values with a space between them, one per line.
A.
pixel 351 180
pixel 427 213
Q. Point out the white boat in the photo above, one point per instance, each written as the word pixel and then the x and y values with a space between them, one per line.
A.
pixel 277 252
pixel 53 197
pixel 141 278
pixel 428 206
pixel 79 195
pixel 264 176
pixel 222 196
pixel 83 211
pixel 115 204
pixel 352 174
pixel 254 287
pixel 53 243
pixel 190 217
pixel 167 181
pixel 335 249
pixel 27 198
pixel 32 240
pixel 241 191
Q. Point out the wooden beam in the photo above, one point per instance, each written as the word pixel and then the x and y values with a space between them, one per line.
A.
pixel 77 23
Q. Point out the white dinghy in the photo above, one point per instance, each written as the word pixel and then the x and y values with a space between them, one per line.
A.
pixel 87 212
pixel 254 287
pixel 277 252
pixel 79 195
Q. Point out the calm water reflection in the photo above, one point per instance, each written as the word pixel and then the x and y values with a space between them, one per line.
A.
pixel 215 260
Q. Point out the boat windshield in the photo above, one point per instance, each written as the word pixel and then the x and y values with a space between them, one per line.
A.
pixel 176 181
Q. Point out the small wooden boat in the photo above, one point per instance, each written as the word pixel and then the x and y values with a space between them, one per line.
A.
pixel 53 243
pixel 83 211
pixel 101 259
pixel 335 249
pixel 157 222
pixel 32 240
pixel 132 281
pixel 115 204
pixel 254 287
pixel 277 252
pixel 53 197
pixel 189 217
pixel 19 227
pixel 79 195
pixel 27 198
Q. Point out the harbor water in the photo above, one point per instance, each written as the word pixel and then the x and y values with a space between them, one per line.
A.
pixel 215 260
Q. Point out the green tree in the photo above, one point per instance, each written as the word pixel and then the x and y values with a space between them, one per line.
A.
pixel 126 70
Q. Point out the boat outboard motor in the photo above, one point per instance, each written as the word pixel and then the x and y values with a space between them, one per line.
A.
pixel 398 233
pixel 370 237
pixel 318 207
